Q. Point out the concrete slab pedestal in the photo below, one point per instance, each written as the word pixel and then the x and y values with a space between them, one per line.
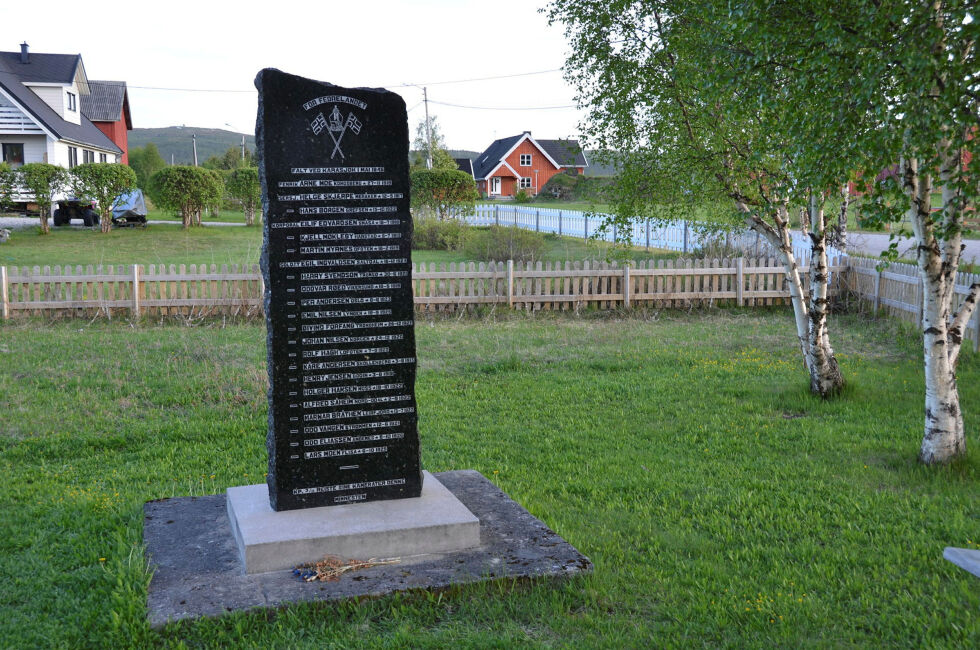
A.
pixel 435 522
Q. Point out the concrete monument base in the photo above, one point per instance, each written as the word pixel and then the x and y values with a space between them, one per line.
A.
pixel 435 522
pixel 197 570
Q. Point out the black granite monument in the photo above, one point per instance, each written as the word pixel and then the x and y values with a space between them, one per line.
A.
pixel 336 261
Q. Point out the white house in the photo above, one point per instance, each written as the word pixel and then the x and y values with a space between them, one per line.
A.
pixel 41 117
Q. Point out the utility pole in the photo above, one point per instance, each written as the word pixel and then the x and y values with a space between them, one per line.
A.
pixel 194 141
pixel 428 130
pixel 243 147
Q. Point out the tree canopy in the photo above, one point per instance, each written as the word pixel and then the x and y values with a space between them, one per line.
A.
pixel 441 158
pixel 448 193
pixel 103 182
pixel 243 184
pixel 187 189
pixel 145 161
pixel 43 181
pixel 770 104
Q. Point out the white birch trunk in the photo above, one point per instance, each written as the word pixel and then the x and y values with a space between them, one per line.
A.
pixel 825 378
pixel 944 438
pixel 809 308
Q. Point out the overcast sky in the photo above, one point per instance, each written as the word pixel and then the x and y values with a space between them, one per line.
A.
pixel 197 45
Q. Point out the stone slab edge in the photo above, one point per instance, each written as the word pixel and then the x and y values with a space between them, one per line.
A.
pixel 965 558
pixel 197 572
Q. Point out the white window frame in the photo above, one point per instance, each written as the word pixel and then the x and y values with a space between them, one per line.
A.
pixel 72 102
pixel 88 156
pixel 72 157
pixel 103 158
pixel 526 182
pixel 525 157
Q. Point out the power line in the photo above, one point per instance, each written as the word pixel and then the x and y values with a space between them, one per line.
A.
pixel 402 85
pixel 463 81
pixel 505 108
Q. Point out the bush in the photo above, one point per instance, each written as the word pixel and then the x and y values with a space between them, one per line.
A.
pixel 103 182
pixel 187 189
pixel 521 196
pixel 434 235
pixel 498 243
pixel 448 193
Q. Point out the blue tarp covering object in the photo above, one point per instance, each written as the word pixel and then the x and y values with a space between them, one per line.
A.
pixel 129 204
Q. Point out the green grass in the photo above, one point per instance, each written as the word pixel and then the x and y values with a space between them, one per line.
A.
pixel 721 504
pixel 171 244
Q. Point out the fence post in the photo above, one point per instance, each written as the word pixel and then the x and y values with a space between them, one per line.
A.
pixel 559 223
pixel 626 285
pixel 922 299
pixel 586 236
pixel 136 290
pixel 615 232
pixel 740 281
pixel 877 293
pixel 648 234
pixel 510 283
pixel 537 220
pixel 496 214
pixel 976 330
pixel 685 236
pixel 5 296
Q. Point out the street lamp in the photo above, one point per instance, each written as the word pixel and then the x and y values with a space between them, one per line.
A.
pixel 535 182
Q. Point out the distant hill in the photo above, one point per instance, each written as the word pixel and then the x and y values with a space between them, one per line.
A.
pixel 176 140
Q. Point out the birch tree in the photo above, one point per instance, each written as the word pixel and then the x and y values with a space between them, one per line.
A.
pixel 931 91
pixel 659 81
pixel 909 69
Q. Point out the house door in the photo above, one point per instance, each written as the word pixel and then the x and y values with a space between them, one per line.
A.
pixel 495 185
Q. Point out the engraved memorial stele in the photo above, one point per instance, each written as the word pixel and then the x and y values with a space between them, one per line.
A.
pixel 336 260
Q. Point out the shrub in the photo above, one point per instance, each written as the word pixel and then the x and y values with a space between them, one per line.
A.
pixel 103 182
pixel 449 193
pixel 243 185
pixel 435 235
pixel 521 196
pixel 43 181
pixel 188 189
pixel 498 243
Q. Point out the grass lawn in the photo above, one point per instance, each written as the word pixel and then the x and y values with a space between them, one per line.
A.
pixel 721 504
pixel 171 244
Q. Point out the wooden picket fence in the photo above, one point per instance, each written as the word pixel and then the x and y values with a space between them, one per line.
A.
pixel 897 290
pixel 195 290
pixel 203 290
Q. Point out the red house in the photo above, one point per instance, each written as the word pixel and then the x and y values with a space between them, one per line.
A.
pixel 107 106
pixel 521 162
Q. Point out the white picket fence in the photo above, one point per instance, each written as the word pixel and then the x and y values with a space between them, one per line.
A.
pixel 683 236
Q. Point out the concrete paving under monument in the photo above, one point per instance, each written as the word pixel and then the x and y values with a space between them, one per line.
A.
pixel 197 570
pixel 435 522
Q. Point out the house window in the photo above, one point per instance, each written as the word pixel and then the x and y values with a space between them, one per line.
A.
pixel 102 157
pixel 525 160
pixel 13 153
pixel 72 102
pixel 72 157
pixel 88 156
pixel 525 182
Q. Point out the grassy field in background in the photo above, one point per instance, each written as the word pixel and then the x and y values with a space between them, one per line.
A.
pixel 721 504
pixel 171 244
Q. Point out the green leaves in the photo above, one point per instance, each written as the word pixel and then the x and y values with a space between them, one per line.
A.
pixel 187 189
pixel 447 192
pixel 103 182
